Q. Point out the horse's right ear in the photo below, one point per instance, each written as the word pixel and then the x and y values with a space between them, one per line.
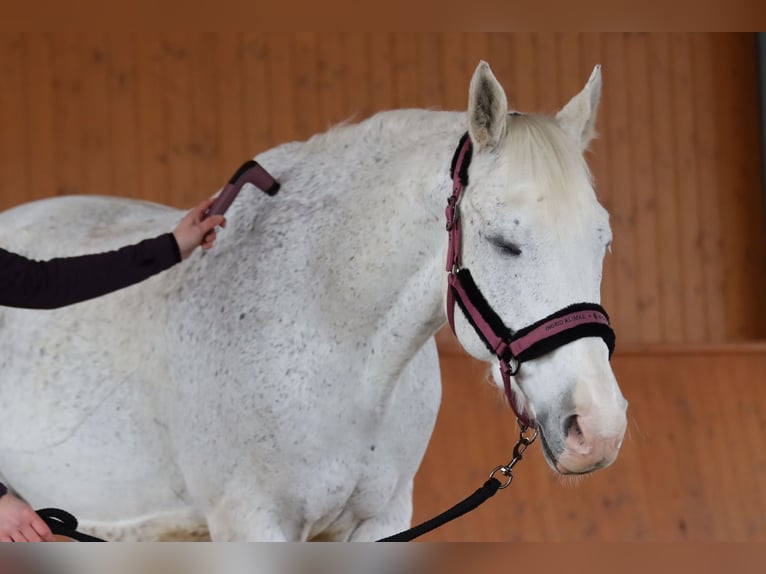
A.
pixel 487 109
pixel 578 117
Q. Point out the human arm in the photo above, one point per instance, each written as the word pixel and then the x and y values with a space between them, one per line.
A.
pixel 63 281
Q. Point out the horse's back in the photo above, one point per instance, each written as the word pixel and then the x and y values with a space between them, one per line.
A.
pixel 76 224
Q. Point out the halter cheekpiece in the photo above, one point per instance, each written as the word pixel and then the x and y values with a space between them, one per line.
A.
pixel 512 348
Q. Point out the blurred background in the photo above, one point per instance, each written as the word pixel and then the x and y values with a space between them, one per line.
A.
pixel 678 164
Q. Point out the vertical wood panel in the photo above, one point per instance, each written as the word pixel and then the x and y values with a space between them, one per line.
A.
pixel 177 103
pixel 204 147
pixel 453 70
pixel 93 51
pixel 333 98
pixel 662 151
pixel 167 117
pixel 621 204
pixel 710 183
pixel 152 134
pixel 741 210
pixel 526 83
pixel 67 114
pixel 548 92
pixel 641 176
pixel 406 70
pixel 40 161
pixel 312 84
pixel 122 121
pixel 429 73
pixel 689 225
pixel 257 95
pixel 280 70
pixel 233 113
pixel 13 177
pixel 381 71
pixel 359 86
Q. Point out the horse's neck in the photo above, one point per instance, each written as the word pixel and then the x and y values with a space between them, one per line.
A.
pixel 370 200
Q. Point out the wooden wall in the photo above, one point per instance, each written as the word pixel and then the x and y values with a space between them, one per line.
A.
pixel 691 467
pixel 168 117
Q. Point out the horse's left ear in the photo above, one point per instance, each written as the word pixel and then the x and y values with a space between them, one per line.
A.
pixel 487 109
pixel 578 117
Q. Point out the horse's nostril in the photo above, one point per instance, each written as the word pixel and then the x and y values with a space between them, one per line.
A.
pixel 572 427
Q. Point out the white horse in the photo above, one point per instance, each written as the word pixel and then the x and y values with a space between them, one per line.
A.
pixel 284 386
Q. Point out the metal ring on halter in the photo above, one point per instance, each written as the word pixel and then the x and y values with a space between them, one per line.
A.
pixel 507 472
pixel 455 269
pixel 513 361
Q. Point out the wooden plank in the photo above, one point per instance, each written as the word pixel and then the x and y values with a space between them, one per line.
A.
pixel 311 82
pixel 570 72
pixel 622 205
pixel 709 184
pixel 405 70
pixel 431 81
pixel 642 180
pixel 257 94
pixel 123 128
pixel 205 135
pixel 456 81
pixel 358 75
pixel 381 71
pixel 548 91
pixel 39 97
pixel 279 82
pixel 670 295
pixel 94 60
pixel 13 111
pixel 232 112
pixel 741 239
pixel 67 113
pixel 177 98
pixel 476 49
pixel 332 95
pixel 689 225
pixel 526 82
pixel 153 157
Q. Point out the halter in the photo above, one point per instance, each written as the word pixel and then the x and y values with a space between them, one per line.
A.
pixel 512 348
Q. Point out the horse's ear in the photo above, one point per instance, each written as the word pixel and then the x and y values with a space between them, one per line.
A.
pixel 487 109
pixel 578 117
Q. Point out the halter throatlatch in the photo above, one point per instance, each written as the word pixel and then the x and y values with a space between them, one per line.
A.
pixel 511 348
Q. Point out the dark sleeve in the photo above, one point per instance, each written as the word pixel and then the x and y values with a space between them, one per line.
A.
pixel 58 282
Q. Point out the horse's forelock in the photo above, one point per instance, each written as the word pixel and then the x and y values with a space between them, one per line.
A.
pixel 542 152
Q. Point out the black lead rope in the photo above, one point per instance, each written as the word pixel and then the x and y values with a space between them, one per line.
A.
pixel 472 502
pixel 483 494
pixel 64 524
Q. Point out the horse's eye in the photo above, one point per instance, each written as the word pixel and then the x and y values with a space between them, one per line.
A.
pixel 505 246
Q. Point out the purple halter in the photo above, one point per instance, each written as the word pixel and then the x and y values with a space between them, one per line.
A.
pixel 511 348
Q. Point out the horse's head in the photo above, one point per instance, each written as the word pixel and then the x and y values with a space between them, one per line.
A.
pixel 534 237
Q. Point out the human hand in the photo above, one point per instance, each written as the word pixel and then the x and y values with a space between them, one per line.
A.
pixel 20 523
pixel 193 231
